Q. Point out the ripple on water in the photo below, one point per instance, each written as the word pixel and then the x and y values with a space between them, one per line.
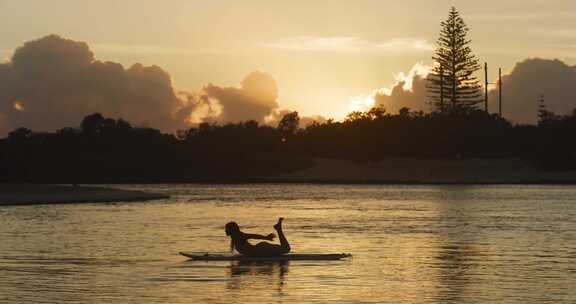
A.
pixel 411 244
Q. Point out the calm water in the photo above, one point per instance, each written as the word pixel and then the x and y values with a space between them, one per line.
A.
pixel 411 244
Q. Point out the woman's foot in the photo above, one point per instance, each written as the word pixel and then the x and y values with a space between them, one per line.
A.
pixel 278 225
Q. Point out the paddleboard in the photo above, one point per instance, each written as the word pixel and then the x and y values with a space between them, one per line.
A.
pixel 286 257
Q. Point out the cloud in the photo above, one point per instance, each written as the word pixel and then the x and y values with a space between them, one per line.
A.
pixel 555 33
pixel 526 16
pixel 305 121
pixel 115 48
pixel 199 108
pixel 531 78
pixel 141 49
pixel 53 82
pixel 522 88
pixel 409 90
pixel 4 126
pixel 255 99
pixel 349 44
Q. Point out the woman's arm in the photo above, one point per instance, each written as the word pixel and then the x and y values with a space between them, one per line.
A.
pixel 269 237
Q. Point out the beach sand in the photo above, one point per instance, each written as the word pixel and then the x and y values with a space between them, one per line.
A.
pixel 31 194
pixel 428 171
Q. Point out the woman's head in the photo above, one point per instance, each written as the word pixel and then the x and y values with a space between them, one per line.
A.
pixel 232 228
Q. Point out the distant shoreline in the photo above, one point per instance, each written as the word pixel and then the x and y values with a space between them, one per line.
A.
pixel 473 171
pixel 391 171
pixel 264 180
pixel 272 181
pixel 42 194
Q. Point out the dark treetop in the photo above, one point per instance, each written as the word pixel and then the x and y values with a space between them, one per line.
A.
pixel 107 150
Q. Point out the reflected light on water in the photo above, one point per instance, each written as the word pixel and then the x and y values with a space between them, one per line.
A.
pixel 425 244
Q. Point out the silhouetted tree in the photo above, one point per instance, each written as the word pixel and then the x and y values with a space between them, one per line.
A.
pixel 251 124
pixel 376 112
pixel 67 132
pixel 19 135
pixel 246 150
pixel 404 112
pixel 545 117
pixel 92 124
pixel 354 116
pixel 452 78
pixel 288 125
pixel 123 126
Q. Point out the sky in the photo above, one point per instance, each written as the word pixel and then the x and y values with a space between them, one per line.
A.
pixel 324 55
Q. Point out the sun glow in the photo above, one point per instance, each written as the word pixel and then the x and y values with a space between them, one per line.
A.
pixel 361 103
pixel 19 106
pixel 350 44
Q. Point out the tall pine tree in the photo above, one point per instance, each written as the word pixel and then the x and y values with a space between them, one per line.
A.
pixel 452 86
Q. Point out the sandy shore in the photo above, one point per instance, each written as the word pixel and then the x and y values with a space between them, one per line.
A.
pixel 30 194
pixel 427 171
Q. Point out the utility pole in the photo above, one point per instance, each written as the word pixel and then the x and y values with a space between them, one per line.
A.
pixel 486 87
pixel 500 92
pixel 486 84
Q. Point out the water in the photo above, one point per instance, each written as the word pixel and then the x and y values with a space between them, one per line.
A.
pixel 411 244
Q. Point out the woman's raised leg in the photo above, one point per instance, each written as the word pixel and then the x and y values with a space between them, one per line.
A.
pixel 285 246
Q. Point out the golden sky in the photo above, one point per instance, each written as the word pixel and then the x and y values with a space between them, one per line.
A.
pixel 322 53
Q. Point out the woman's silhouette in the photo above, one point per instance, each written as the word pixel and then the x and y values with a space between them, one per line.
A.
pixel 239 241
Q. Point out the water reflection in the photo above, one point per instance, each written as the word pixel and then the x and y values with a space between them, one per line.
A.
pixel 454 273
pixel 411 244
pixel 455 248
pixel 244 274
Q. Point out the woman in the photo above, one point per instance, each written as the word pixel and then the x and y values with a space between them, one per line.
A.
pixel 239 241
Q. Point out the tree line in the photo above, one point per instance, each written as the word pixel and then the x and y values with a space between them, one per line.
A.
pixel 108 150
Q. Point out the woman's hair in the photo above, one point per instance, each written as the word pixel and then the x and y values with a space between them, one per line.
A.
pixel 232 229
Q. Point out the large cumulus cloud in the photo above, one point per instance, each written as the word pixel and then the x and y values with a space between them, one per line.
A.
pixel 522 88
pixel 532 78
pixel 53 82
pixel 255 99
pixel 408 91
